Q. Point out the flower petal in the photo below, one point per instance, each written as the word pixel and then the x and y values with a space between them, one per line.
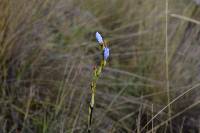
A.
pixel 99 37
pixel 106 53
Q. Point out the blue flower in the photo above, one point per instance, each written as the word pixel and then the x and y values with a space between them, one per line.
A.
pixel 106 53
pixel 99 37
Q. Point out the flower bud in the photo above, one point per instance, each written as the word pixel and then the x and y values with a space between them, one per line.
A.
pixel 106 53
pixel 99 38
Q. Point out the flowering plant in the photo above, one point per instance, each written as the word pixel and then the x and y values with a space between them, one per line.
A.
pixel 97 71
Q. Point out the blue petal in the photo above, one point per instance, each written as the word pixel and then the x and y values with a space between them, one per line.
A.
pixel 99 37
pixel 106 53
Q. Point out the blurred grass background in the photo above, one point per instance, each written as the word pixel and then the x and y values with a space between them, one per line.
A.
pixel 48 49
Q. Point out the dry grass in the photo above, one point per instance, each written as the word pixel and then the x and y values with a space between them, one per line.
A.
pixel 47 50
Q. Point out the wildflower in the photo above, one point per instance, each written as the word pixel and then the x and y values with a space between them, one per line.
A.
pixel 106 53
pixel 99 38
pixel 97 71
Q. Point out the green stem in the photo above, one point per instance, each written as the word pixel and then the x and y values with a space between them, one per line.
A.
pixel 96 74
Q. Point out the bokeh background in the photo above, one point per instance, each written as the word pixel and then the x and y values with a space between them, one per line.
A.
pixel 150 84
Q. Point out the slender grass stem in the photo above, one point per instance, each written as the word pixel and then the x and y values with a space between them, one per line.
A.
pixel 167 59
